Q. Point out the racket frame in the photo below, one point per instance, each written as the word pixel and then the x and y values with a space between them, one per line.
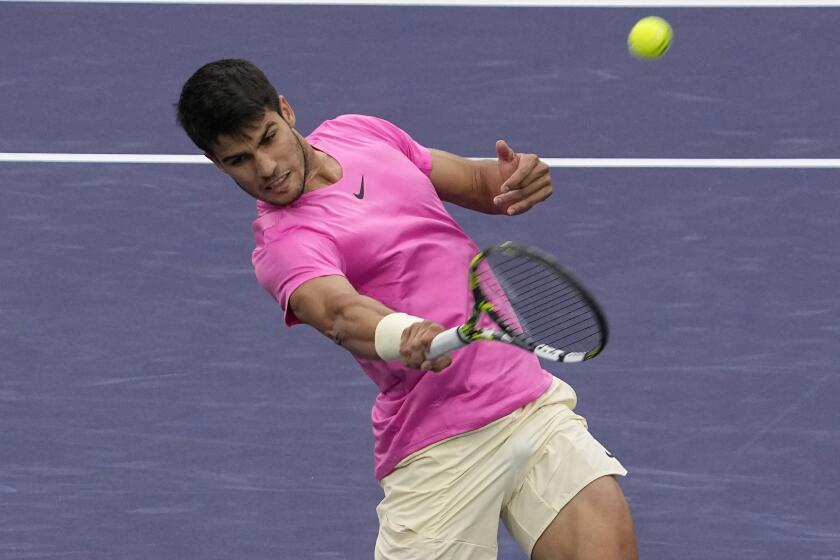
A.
pixel 467 333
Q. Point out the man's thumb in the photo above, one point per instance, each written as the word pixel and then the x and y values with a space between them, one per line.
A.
pixel 504 151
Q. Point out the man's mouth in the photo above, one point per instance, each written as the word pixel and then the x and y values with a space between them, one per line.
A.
pixel 279 184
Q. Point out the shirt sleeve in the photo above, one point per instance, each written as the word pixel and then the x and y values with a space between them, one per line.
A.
pixel 281 267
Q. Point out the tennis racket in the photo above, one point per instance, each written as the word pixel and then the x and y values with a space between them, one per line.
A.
pixel 536 304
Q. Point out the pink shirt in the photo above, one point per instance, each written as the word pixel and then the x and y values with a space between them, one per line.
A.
pixel 398 245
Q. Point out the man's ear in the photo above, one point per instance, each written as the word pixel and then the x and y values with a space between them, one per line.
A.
pixel 286 111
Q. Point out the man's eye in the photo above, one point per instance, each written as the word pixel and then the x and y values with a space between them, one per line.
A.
pixel 268 139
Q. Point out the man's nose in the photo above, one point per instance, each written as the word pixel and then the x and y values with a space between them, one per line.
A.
pixel 265 166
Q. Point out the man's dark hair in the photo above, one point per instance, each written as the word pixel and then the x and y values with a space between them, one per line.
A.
pixel 224 98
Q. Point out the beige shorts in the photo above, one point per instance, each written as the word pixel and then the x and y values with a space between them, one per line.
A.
pixel 445 501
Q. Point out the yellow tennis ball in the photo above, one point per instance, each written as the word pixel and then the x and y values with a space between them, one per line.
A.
pixel 650 37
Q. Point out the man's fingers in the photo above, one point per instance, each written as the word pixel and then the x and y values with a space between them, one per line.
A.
pixel 438 364
pixel 525 191
pixel 414 344
pixel 411 348
pixel 529 165
pixel 529 202
pixel 537 186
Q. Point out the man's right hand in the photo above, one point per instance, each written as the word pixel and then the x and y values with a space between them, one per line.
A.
pixel 414 345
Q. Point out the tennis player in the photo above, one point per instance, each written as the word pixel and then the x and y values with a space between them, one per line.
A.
pixel 353 238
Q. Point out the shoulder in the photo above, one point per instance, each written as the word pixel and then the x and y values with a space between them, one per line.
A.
pixel 360 125
pixel 283 252
pixel 378 134
pixel 359 121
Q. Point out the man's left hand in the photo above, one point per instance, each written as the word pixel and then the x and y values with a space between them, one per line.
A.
pixel 526 180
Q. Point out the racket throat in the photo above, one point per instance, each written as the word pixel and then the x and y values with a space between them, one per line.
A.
pixel 448 341
pixel 469 334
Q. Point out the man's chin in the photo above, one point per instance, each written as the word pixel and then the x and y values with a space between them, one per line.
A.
pixel 279 199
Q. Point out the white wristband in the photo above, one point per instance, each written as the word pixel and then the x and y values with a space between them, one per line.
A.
pixel 388 333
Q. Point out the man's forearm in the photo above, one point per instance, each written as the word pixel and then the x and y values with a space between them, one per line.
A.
pixel 488 186
pixel 352 325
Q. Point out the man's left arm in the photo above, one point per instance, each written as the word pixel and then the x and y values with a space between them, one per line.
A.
pixel 511 184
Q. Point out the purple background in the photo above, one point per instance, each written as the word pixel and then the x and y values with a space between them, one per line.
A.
pixel 152 405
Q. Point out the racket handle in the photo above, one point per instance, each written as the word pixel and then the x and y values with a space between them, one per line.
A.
pixel 446 342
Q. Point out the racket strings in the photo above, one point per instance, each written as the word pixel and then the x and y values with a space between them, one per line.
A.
pixel 538 282
pixel 556 306
pixel 544 301
pixel 566 324
pixel 537 303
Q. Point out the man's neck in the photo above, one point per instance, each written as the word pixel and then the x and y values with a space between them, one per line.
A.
pixel 324 170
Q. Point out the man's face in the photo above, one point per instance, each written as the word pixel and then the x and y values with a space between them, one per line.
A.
pixel 266 161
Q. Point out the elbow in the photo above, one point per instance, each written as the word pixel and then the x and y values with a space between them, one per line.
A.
pixel 322 313
pixel 340 314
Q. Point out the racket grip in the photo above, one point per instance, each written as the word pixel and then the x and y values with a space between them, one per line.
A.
pixel 446 342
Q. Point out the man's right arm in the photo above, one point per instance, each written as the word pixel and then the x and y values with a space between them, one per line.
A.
pixel 336 309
